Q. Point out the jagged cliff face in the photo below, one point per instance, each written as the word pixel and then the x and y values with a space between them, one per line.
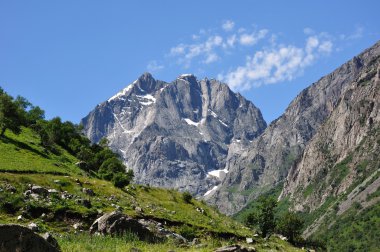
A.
pixel 342 159
pixel 267 160
pixel 175 135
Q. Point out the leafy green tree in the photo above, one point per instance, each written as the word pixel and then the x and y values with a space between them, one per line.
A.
pixel 290 225
pixel 264 216
pixel 187 197
pixel 10 114
pixel 110 167
pixel 121 180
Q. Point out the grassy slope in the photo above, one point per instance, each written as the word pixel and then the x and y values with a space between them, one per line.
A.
pixel 23 161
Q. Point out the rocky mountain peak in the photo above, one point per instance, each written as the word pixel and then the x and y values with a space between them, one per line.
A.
pixel 175 134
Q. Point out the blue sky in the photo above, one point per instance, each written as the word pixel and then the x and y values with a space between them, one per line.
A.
pixel 68 56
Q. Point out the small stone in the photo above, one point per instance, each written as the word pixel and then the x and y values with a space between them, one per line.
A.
pixel 88 191
pixel 33 226
pixel 249 240
pixel 39 190
pixel 52 191
pixel 50 239
pixel 19 218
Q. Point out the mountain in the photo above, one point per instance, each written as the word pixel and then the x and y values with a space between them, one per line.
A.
pixel 178 134
pixel 336 181
pixel 265 163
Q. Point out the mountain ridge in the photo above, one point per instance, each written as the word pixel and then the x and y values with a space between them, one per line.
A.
pixel 175 133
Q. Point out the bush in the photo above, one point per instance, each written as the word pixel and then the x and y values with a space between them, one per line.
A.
pixel 121 180
pixel 290 225
pixel 189 232
pixel 10 203
pixel 187 197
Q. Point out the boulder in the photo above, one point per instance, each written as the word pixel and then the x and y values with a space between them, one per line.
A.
pixel 33 226
pixel 50 239
pixel 20 238
pixel 235 248
pixel 39 190
pixel 116 223
pixel 88 191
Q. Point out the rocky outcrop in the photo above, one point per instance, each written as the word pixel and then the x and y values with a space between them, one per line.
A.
pixel 178 134
pixel 19 238
pixel 265 163
pixel 344 152
pixel 116 223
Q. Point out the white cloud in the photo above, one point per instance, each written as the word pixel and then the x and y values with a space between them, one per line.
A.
pixel 276 64
pixel 154 66
pixel 206 50
pixel 228 25
pixel 253 38
pixel 357 34
pixel 326 47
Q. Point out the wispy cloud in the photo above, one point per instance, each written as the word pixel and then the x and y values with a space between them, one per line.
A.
pixel 252 38
pixel 208 47
pixel 228 25
pixel 206 50
pixel 154 66
pixel 276 64
pixel 264 57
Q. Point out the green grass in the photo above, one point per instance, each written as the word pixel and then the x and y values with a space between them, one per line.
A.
pixel 23 153
pixel 24 161
pixel 354 231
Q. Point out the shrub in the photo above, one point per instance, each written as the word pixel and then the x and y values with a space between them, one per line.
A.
pixel 187 197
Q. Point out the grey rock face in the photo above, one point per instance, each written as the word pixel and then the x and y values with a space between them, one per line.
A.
pixel 19 238
pixel 344 152
pixel 266 162
pixel 116 223
pixel 173 134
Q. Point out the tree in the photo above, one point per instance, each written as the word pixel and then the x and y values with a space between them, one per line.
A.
pixel 263 215
pixel 121 180
pixel 10 114
pixel 187 197
pixel 290 225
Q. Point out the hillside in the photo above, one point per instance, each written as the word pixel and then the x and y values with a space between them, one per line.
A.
pixel 69 208
pixel 336 180
pixel 266 162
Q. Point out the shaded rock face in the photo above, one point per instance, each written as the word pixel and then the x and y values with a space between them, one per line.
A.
pixel 116 223
pixel 173 134
pixel 19 238
pixel 344 151
pixel 265 163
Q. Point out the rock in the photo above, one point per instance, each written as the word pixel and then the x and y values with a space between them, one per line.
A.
pixel 20 238
pixel 78 226
pixel 116 223
pixel 231 248
pixel 84 202
pixel 33 226
pixel 88 191
pixel 10 188
pixel 57 181
pixel 166 114
pixel 139 210
pixel 53 191
pixel 50 239
pixel 195 241
pixel 39 190
pixel 19 218
pixel 81 164
pixel 249 240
